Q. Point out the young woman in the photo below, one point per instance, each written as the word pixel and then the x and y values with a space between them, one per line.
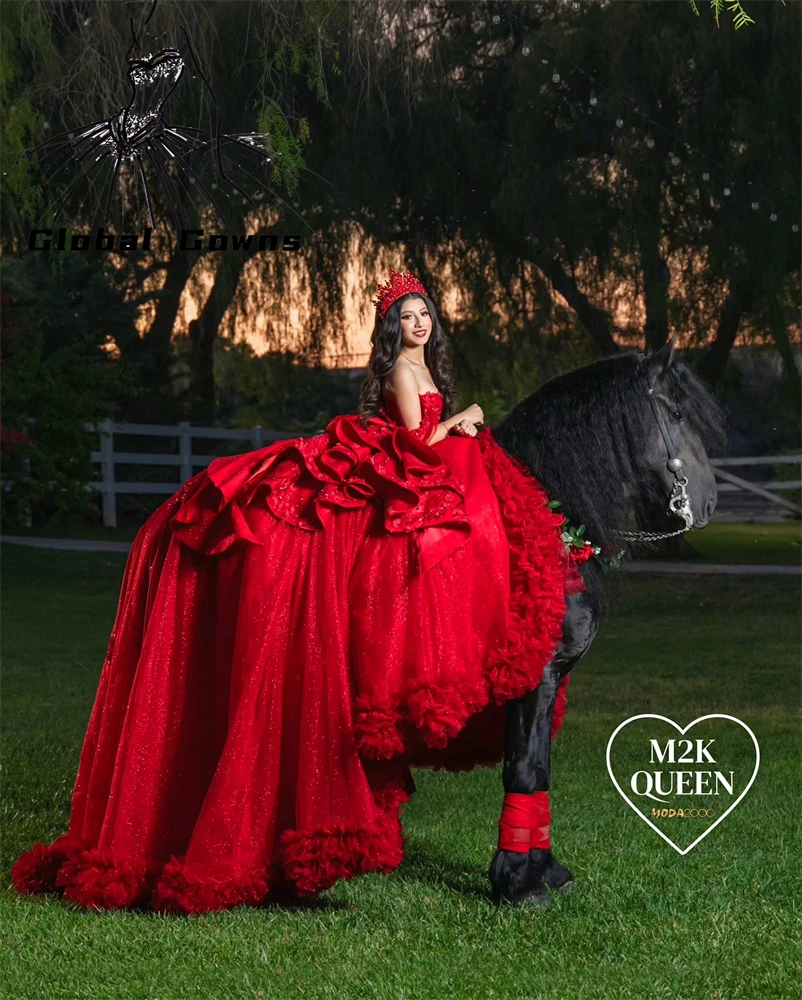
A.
pixel 299 625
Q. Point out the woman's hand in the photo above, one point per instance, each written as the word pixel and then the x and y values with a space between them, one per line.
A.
pixel 474 414
pixel 465 427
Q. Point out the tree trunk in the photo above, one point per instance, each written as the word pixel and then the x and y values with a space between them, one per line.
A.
pixel 154 351
pixel 203 334
pixel 779 332
pixel 656 276
pixel 713 361
pixel 159 336
pixel 656 279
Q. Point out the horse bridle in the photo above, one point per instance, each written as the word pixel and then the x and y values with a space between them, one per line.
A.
pixel 679 502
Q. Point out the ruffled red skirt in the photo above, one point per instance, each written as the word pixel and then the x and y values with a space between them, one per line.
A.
pixel 270 681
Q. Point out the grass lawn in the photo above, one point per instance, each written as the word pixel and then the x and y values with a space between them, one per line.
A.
pixel 642 921
pixel 766 543
pixel 95 532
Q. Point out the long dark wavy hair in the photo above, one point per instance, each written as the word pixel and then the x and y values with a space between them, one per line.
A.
pixel 386 344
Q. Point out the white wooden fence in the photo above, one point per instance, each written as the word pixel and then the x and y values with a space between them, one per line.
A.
pixel 187 462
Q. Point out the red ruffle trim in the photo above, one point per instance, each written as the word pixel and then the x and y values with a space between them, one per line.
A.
pixel 36 870
pixel 438 711
pixel 304 481
pixel 182 889
pixel 98 880
pixel 315 860
pixel 377 729
pixel 441 711
pixel 87 876
pixel 537 574
pixel 307 862
pixel 541 577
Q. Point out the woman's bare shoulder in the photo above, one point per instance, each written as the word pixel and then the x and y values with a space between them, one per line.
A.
pixel 401 378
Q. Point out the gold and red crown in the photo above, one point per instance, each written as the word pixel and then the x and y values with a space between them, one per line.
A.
pixel 398 285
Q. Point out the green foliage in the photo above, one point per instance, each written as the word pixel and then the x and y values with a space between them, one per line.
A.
pixel 574 537
pixel 295 48
pixel 22 35
pixel 293 60
pixel 493 168
pixel 279 390
pixel 739 15
pixel 58 312
pixel 497 166
pixel 498 362
pixel 286 145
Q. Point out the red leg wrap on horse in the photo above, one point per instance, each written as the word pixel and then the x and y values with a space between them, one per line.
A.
pixel 524 822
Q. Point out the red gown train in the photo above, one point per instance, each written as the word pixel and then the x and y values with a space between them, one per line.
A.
pixel 297 627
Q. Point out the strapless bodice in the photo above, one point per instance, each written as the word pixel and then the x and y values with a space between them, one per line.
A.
pixel 431 407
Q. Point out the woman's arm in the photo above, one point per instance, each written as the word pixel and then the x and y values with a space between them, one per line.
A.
pixel 406 394
pixel 443 428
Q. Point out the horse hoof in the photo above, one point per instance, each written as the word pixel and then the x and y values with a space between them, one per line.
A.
pixel 516 882
pixel 538 897
pixel 535 897
pixel 556 876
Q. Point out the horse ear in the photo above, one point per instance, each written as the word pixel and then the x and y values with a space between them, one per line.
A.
pixel 659 361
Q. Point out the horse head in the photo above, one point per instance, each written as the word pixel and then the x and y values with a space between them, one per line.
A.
pixel 604 440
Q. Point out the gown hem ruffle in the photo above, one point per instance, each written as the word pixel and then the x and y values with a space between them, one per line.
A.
pixel 305 864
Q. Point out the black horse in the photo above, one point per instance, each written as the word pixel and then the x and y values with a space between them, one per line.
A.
pixel 604 439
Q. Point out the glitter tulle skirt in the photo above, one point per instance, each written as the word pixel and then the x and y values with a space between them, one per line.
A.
pixel 297 628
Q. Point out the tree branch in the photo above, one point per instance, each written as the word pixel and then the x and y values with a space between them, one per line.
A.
pixel 594 320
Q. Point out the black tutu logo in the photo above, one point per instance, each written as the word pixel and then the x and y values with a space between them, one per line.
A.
pixel 141 154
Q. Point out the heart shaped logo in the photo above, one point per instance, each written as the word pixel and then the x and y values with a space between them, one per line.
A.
pixel 684 785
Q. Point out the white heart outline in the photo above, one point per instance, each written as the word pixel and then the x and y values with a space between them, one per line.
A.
pixel 662 718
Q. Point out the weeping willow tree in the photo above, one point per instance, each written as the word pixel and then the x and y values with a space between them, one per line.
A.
pixel 469 138
pixel 608 206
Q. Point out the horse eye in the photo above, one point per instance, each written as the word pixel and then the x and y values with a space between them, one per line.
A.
pixel 676 415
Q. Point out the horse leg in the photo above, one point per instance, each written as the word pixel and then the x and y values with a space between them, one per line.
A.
pixel 524 872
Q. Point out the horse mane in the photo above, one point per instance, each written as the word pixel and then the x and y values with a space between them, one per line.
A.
pixel 583 434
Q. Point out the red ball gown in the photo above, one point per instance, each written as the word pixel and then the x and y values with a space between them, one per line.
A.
pixel 297 627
